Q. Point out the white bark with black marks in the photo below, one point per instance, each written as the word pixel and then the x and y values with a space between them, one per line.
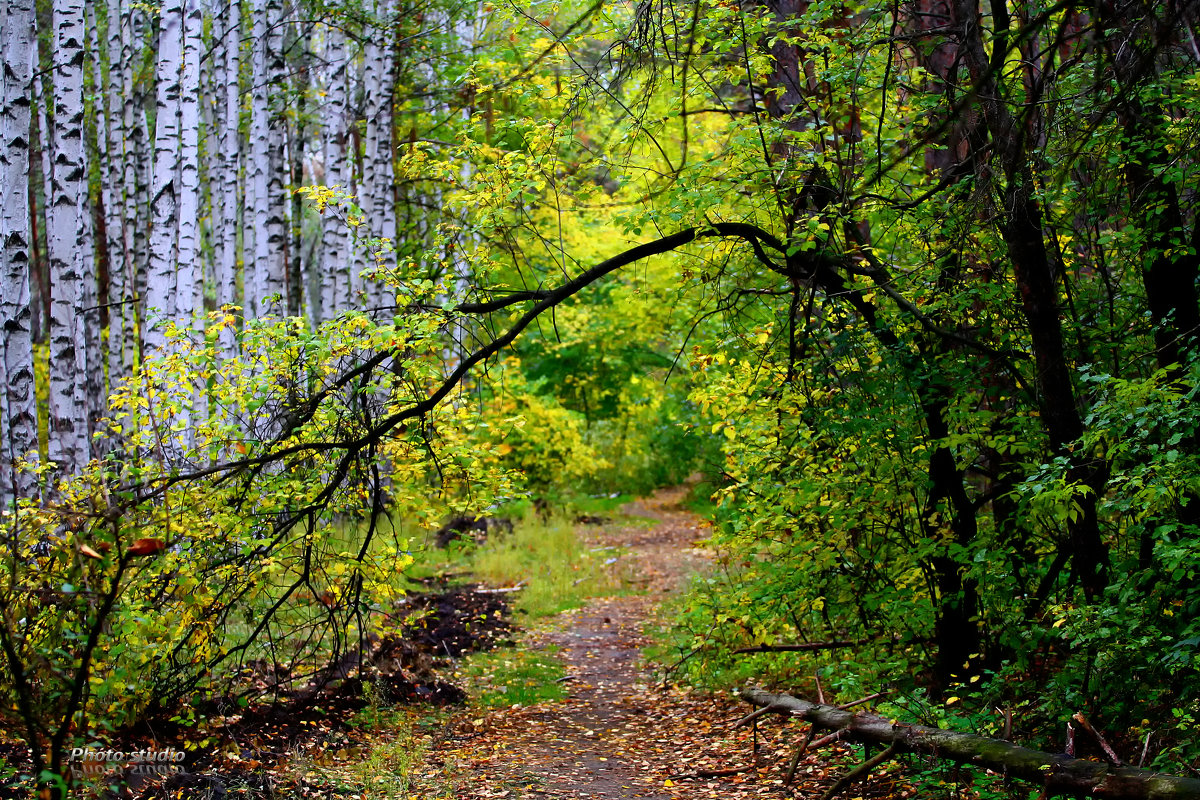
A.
pixel 18 407
pixel 161 274
pixel 68 244
pixel 335 256
pixel 226 184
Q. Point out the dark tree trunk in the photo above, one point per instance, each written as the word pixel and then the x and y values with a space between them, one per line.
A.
pixel 1021 227
pixel 1133 34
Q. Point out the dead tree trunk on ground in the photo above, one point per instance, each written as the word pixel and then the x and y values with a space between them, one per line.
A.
pixel 1059 775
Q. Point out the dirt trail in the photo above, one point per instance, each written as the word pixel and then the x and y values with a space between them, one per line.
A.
pixel 614 736
pixel 594 743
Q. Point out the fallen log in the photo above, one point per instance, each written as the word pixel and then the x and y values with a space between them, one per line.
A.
pixel 1057 775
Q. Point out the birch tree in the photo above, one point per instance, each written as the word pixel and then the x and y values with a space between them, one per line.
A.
pixel 335 260
pixel 226 184
pixel 275 276
pixel 189 278
pixel 165 180
pixel 18 412
pixel 90 302
pixel 264 270
pixel 68 243
pixel 118 216
pixel 189 296
pixel 137 178
pixel 377 193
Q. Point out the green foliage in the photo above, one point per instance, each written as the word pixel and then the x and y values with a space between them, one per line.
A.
pixel 1147 630
pixel 206 544
pixel 533 434
pixel 516 676
pixel 546 558
pixel 865 378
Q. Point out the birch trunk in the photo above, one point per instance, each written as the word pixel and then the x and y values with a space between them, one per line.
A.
pixel 335 261
pixel 257 199
pixel 226 188
pixel 161 279
pixel 297 286
pixel 18 409
pixel 265 265
pixel 189 272
pixel 113 188
pixel 136 180
pixel 275 257
pixel 93 292
pixel 67 244
pixel 378 199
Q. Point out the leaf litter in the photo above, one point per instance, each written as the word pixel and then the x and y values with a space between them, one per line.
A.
pixel 618 733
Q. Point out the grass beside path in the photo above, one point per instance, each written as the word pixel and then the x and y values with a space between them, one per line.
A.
pixel 557 570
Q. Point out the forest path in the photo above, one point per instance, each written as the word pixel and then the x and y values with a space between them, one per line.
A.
pixel 611 737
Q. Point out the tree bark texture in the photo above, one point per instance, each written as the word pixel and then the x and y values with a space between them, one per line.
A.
pixel 18 411
pixel 69 245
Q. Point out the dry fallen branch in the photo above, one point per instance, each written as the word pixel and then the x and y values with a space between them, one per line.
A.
pixel 710 773
pixel 1058 775
pixel 1109 753
pixel 860 772
pixel 799 754
pixel 753 715
pixel 501 590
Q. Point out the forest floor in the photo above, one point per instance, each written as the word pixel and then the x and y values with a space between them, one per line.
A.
pixel 619 732
pixel 615 729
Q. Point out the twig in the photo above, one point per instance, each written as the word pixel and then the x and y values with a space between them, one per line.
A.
pixel 867 699
pixel 754 743
pixel 860 771
pixel 797 648
pixel 1070 749
pixel 710 773
pixel 820 691
pixel 1108 751
pixel 1006 713
pixel 828 738
pixel 753 715
pixel 1145 748
pixel 800 751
